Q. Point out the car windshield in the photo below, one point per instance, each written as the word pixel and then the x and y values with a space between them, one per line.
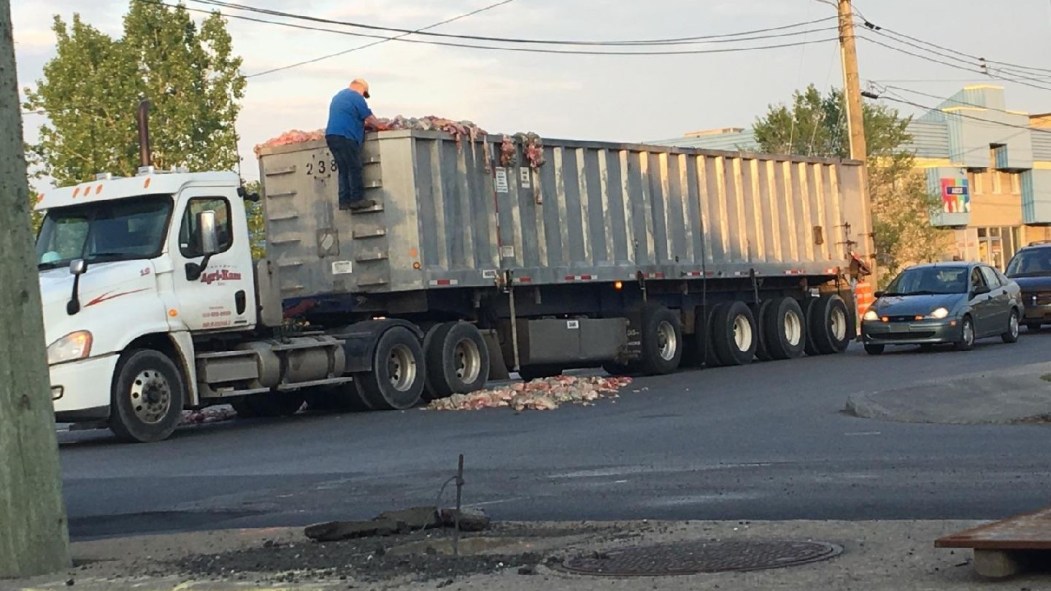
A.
pixel 929 281
pixel 118 230
pixel 1030 263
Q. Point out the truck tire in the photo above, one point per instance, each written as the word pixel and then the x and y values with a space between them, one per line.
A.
pixel 397 378
pixel 830 325
pixel 761 351
pixel 457 360
pixel 785 328
pixel 734 333
pixel 661 340
pixel 243 408
pixel 809 310
pixel 147 397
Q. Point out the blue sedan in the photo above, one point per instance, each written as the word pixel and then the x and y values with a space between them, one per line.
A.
pixel 955 303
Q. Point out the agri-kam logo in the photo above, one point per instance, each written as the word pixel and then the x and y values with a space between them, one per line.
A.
pixel 220 276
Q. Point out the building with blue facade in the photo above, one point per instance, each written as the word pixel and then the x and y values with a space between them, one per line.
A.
pixel 990 166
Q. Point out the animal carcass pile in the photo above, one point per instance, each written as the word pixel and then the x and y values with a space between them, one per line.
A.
pixel 458 129
pixel 547 394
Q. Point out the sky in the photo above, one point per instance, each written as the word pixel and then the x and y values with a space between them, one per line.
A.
pixel 610 98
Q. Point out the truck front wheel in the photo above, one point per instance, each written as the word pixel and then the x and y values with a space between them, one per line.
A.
pixel 148 395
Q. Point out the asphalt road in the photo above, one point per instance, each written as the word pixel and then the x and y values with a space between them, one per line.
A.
pixel 764 442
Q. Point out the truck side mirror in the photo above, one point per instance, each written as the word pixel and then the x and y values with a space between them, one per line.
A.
pixel 208 233
pixel 76 268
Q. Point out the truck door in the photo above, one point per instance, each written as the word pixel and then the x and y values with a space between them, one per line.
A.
pixel 222 297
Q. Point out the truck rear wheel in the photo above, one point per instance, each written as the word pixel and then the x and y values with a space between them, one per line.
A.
pixel 809 311
pixel 661 340
pixel 397 378
pixel 830 325
pixel 457 360
pixel 761 351
pixel 734 333
pixel 785 327
pixel 147 397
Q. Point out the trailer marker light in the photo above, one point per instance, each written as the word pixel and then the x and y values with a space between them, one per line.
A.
pixel 416 265
pixel 146 183
pixel 618 285
pixel 173 312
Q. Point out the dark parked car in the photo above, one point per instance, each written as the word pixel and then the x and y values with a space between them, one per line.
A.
pixel 1030 268
pixel 954 303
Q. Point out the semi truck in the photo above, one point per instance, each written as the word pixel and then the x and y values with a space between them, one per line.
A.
pixel 475 263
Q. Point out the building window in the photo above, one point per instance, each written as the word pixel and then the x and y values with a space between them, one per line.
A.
pixel 997 186
pixel 997 245
pixel 1015 189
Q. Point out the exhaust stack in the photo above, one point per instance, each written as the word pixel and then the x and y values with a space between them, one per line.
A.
pixel 145 155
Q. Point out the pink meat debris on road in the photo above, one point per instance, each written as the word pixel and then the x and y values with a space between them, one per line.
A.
pixel 212 414
pixel 546 394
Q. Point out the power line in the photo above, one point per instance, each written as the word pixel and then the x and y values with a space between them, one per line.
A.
pixel 950 64
pixel 956 102
pixel 513 40
pixel 964 115
pixel 506 49
pixel 374 43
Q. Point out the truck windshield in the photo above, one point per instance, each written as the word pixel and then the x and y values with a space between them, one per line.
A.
pixel 118 230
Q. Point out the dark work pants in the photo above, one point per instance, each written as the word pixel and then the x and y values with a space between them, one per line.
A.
pixel 347 154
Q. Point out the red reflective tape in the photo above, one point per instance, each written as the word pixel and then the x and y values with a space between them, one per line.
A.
pixel 444 282
pixel 524 280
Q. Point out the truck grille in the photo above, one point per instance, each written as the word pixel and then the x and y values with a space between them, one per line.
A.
pixel 1036 298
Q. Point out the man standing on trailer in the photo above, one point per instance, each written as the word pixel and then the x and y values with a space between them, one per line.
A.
pixel 348 116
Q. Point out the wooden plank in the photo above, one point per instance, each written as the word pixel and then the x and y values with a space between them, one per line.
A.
pixel 1030 531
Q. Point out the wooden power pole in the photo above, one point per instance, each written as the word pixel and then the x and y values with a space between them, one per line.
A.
pixel 851 81
pixel 33 535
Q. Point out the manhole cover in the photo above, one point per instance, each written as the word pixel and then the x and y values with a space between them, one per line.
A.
pixel 687 558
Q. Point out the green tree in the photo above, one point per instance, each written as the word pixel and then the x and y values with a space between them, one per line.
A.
pixel 815 125
pixel 256 221
pixel 90 91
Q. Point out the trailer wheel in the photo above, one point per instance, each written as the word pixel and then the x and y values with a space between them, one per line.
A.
pixel 147 397
pixel 785 328
pixel 809 311
pixel 830 325
pixel 762 353
pixel 457 360
pixel 397 378
pixel 243 408
pixel 734 333
pixel 661 340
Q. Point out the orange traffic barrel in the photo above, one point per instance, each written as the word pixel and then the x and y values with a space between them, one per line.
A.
pixel 864 296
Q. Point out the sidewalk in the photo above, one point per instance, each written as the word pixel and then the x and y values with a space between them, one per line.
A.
pixel 891 555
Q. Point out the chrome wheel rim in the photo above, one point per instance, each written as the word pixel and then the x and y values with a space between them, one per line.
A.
pixel 1014 325
pixel 742 333
pixel 968 333
pixel 467 360
pixel 793 328
pixel 667 341
pixel 151 396
pixel 401 367
pixel 839 324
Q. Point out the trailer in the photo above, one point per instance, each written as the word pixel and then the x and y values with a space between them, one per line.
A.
pixel 475 263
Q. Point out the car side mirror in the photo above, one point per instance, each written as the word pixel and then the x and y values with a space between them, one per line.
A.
pixel 879 294
pixel 981 290
pixel 208 233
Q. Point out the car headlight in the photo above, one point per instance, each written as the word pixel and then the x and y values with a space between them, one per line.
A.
pixel 939 313
pixel 73 346
pixel 870 315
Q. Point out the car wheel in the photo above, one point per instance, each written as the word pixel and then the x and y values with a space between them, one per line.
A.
pixel 966 342
pixel 1011 336
pixel 874 349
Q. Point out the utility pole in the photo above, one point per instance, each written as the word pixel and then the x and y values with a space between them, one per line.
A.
pixel 855 116
pixel 851 81
pixel 34 538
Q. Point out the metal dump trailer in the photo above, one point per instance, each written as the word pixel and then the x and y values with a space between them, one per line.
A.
pixel 627 256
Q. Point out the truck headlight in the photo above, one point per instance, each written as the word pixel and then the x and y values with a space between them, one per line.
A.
pixel 73 346
pixel 939 314
pixel 871 316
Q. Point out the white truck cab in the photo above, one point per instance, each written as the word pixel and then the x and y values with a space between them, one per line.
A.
pixel 131 271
